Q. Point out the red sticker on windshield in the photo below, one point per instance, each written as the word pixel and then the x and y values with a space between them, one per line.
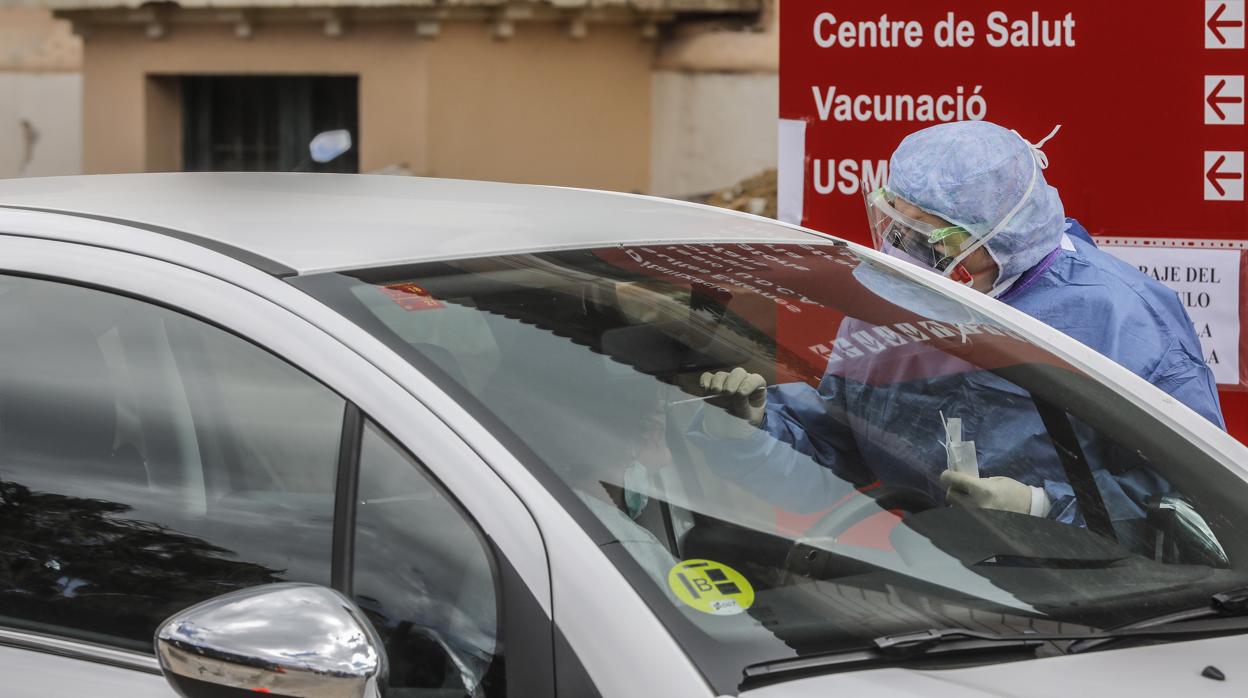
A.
pixel 411 297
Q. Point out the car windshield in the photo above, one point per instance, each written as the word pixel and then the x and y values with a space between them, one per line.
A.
pixel 810 516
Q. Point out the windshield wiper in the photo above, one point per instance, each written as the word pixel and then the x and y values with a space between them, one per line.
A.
pixel 918 642
pixel 953 642
pixel 1234 601
pixel 1226 612
pixel 1212 621
pixel 1227 604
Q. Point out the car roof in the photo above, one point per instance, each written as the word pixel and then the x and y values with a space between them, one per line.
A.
pixel 300 223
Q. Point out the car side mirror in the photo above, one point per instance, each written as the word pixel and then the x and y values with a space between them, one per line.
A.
pixel 1179 534
pixel 298 640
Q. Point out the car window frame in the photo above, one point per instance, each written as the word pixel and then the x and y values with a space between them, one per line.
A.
pixel 526 628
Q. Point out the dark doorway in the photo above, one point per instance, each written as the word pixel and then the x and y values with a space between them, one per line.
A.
pixel 264 123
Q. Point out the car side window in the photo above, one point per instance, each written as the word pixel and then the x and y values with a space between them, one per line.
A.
pixel 424 575
pixel 149 461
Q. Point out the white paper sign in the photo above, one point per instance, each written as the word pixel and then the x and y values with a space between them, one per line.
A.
pixel 791 170
pixel 1207 282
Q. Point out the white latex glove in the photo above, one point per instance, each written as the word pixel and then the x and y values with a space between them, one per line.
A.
pixel 743 397
pixel 1003 493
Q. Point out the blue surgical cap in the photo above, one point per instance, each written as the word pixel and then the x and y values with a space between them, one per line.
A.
pixel 973 174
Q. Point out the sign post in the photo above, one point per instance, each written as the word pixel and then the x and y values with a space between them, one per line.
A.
pixel 1151 98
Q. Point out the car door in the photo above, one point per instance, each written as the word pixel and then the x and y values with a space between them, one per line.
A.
pixel 166 437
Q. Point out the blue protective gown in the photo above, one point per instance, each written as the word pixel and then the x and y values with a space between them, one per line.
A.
pixel 864 423
pixel 1138 322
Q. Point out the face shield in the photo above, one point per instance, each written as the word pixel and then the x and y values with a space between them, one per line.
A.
pixel 898 235
pixel 1014 216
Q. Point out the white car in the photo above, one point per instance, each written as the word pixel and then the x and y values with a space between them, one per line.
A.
pixel 321 435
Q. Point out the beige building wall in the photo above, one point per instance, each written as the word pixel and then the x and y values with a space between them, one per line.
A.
pixel 542 107
pixel 716 101
pixel 135 113
pixel 40 124
pixel 40 95
pixel 711 129
pixel 539 107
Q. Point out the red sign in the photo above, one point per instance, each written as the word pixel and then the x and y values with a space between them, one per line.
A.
pixel 411 297
pixel 1150 97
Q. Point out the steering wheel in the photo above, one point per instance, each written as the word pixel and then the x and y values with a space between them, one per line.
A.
pixel 804 559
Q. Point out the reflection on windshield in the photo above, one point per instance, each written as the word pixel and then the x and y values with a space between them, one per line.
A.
pixel 766 430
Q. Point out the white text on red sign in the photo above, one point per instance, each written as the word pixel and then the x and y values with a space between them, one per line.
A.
pixel 848 176
pixel 1000 30
pixel 961 104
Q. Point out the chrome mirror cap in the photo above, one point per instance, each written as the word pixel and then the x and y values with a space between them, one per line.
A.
pixel 297 640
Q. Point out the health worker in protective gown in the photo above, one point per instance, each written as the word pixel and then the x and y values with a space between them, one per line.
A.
pixel 967 200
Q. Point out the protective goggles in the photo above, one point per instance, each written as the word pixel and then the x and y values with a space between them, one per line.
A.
pixel 893 232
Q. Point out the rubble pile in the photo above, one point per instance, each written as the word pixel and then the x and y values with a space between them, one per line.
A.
pixel 755 195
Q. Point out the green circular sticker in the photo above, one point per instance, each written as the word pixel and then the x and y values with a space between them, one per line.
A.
pixel 711 587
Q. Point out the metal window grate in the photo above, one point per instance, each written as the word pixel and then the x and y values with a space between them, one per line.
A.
pixel 264 123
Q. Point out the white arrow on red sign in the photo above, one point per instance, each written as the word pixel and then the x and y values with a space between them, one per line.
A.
pixel 1216 23
pixel 1225 23
pixel 1224 97
pixel 1215 98
pixel 1215 175
pixel 1232 174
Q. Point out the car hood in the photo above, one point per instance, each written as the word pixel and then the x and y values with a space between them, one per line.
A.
pixel 1168 670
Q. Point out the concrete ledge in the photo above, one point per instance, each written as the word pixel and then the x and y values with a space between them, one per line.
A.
pixel 638 6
